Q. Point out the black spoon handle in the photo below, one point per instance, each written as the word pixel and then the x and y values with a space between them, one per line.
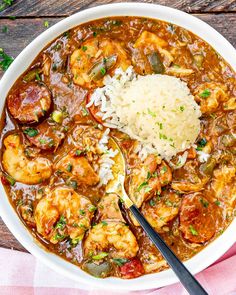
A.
pixel 185 277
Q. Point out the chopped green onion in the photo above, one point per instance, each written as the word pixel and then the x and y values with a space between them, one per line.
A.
pixel 99 256
pixel 142 185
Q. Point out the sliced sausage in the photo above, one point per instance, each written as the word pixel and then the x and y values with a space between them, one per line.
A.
pixel 198 218
pixel 45 136
pixel 29 102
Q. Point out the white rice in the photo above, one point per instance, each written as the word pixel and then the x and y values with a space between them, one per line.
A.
pixel 105 162
pixel 157 110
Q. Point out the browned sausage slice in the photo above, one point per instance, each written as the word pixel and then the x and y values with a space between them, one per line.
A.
pixel 198 218
pixel 29 102
pixel 45 136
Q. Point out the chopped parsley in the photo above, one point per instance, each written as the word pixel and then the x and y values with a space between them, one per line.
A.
pixel 151 113
pixel 168 203
pixel 81 212
pixel 5 29
pixel 181 108
pixel 37 76
pixel 78 152
pixel 204 203
pixel 42 141
pixel 193 231
pixel 46 24
pixel 162 136
pixel 205 93
pixel 201 144
pixel 5 60
pixel 84 112
pixel 59 237
pixel 31 132
pixel 69 167
pixel 5 4
pixel 104 223
pixel 103 71
pixel 152 202
pixel 120 261
pixel 163 170
pixel 61 223
pixel 217 202
pixel 84 48
pixel 73 184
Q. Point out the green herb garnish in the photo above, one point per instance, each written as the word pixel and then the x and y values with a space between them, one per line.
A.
pixel 46 24
pixel 152 203
pixel 6 60
pixel 92 208
pixel 142 185
pixel 193 231
pixel 99 256
pixel 61 223
pixel 69 167
pixel 84 48
pixel 103 71
pixel 120 261
pixel 204 203
pixel 81 212
pixel 104 223
pixel 31 132
pixel 205 93
pixel 84 112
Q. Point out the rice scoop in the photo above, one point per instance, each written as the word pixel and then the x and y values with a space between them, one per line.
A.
pixel 157 110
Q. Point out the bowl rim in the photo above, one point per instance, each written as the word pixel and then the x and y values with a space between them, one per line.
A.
pixel 200 261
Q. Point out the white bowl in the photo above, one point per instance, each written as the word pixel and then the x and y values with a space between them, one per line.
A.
pixel 200 261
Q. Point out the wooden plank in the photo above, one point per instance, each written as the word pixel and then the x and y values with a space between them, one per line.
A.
pixel 7 240
pixel 67 7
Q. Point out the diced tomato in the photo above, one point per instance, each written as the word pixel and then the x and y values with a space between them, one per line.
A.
pixel 4 180
pixel 132 269
pixel 94 110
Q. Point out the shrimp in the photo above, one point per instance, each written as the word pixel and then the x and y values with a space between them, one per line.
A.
pixel 79 168
pixel 108 208
pixel 210 95
pixel 159 211
pixel 90 63
pixel 143 182
pixel 115 237
pixel 63 213
pixel 21 168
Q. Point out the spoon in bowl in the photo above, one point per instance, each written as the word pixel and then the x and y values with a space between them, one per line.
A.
pixel 116 185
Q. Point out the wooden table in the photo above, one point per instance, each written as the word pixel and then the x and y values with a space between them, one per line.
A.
pixel 30 16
